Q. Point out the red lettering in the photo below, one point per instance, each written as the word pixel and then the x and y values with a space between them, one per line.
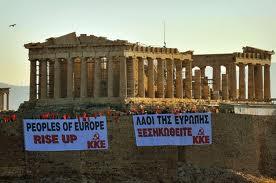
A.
pixel 145 132
pixel 189 131
pixel 69 138
pixel 201 140
pixel 37 139
pixel 45 139
pixel 96 144
pixel 140 132
pixel 207 140
pixel 73 138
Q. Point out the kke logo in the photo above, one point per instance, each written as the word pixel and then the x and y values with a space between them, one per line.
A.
pixel 201 132
pixel 96 136
pixel 201 138
pixel 96 142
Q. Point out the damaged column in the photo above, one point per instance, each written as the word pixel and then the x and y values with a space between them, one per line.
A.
pixel 130 77
pixel 97 77
pixel 241 81
pixel 205 88
pixel 216 81
pixel 188 79
pixel 259 82
pixel 197 84
pixel 110 78
pixel 179 80
pixel 251 83
pixel 83 89
pixel 70 77
pixel 43 78
pixel 57 79
pixel 141 79
pixel 33 89
pixel 1 101
pixel 160 78
pixel 233 81
pixel 123 77
pixel 267 92
pixel 170 86
pixel 151 92
pixel 225 89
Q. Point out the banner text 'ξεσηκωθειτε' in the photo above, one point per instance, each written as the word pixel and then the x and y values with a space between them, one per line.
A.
pixel 173 129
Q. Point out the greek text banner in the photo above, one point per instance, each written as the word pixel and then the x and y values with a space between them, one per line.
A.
pixel 173 129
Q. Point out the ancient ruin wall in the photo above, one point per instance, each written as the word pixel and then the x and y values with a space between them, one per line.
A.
pixel 240 142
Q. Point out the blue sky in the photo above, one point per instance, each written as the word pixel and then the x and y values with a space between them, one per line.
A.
pixel 205 26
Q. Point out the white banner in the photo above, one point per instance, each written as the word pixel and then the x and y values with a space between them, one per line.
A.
pixel 169 129
pixel 63 135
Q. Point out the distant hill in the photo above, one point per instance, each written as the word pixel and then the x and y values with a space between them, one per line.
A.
pixel 18 94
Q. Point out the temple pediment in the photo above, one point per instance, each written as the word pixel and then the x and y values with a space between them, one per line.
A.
pixel 73 39
pixel 249 49
pixel 70 38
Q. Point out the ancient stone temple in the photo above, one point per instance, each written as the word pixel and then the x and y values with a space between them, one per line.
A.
pixel 71 67
pixel 4 99
pixel 257 63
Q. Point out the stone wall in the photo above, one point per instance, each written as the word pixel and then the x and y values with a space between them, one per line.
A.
pixel 240 142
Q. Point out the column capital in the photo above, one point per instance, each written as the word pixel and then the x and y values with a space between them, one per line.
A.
pixel 240 64
pixel 34 60
pixel 150 58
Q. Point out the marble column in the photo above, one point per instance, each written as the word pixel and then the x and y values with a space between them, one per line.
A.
pixel 197 85
pixel 188 80
pixel 123 77
pixel 130 76
pixel 70 63
pixel 33 89
pixel 241 81
pixel 251 83
pixel 83 87
pixel 160 78
pixel 225 90
pixel 205 88
pixel 202 70
pixel 97 77
pixel 110 77
pixel 141 80
pixel 179 82
pixel 259 82
pixel 170 85
pixel 57 79
pixel 7 101
pixel 43 78
pixel 233 82
pixel 151 92
pixel 1 101
pixel 217 78
pixel 267 91
pixel 51 79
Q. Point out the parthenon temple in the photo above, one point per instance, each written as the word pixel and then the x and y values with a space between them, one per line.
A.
pixel 87 66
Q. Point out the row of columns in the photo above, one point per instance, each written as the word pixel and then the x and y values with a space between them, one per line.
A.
pixel 258 82
pixel 126 84
pixel 161 92
pixel 2 101
pixel 168 72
